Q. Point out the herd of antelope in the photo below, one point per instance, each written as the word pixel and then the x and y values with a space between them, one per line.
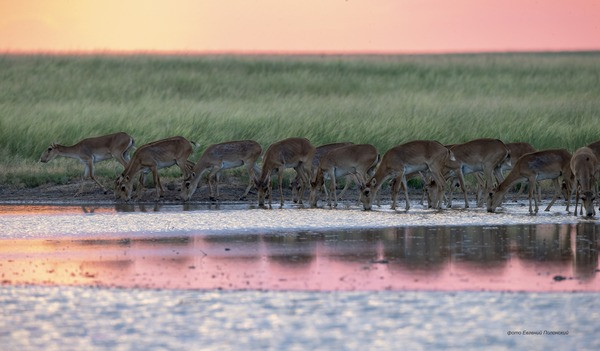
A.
pixel 442 167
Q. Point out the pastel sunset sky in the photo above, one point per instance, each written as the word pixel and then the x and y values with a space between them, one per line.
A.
pixel 299 26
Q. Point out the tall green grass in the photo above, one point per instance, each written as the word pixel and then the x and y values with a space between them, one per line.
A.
pixel 549 100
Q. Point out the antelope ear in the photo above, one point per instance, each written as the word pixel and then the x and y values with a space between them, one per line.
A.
pixel 359 182
pixel 53 145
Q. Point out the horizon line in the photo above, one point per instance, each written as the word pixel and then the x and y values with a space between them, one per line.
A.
pixel 109 52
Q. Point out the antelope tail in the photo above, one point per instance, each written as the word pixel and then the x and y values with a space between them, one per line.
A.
pixel 195 145
pixel 451 154
pixel 257 169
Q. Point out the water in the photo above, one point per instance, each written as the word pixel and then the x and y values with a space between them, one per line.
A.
pixel 75 318
pixel 542 257
pixel 233 277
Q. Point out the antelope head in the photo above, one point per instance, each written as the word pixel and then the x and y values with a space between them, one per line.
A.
pixel 367 192
pixel 315 186
pixel 50 153
pixel 295 187
pixel 262 187
pixel 494 200
pixel 189 187
pixel 123 188
pixel 432 190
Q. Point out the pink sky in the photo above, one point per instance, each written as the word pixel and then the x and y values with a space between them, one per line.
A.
pixel 298 26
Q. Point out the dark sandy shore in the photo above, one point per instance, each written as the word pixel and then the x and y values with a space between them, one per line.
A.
pixel 228 192
pixel 66 193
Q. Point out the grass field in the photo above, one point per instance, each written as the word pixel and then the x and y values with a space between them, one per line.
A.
pixel 549 100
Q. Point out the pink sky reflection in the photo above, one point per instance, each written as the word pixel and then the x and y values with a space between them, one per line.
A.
pixel 399 259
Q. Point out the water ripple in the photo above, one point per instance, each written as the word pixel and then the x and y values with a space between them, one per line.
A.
pixel 242 320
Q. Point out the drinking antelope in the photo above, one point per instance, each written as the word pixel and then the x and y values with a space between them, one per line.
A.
pixel 595 147
pixel 154 156
pixel 355 160
pixel 294 153
pixel 584 166
pixel 401 160
pixel 320 151
pixel 517 150
pixel 219 157
pixel 92 150
pixel 536 166
pixel 479 155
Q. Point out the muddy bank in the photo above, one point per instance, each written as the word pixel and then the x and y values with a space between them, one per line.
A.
pixel 229 192
pixel 93 194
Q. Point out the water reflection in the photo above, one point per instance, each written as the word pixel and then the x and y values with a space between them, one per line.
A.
pixel 295 251
pixel 432 258
pixel 587 242
pixel 545 242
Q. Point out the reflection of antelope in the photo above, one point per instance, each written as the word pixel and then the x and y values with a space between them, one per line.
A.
pixel 218 157
pixel 294 153
pixel 540 165
pixel 354 160
pixel 92 150
pixel 154 156
pixel 584 165
pixel 551 242
pixel 400 161
pixel 586 250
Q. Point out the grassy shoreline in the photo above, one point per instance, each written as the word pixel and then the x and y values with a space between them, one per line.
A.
pixel 547 99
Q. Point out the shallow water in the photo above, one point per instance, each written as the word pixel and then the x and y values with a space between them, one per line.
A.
pixel 72 318
pixel 233 277
pixel 264 250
